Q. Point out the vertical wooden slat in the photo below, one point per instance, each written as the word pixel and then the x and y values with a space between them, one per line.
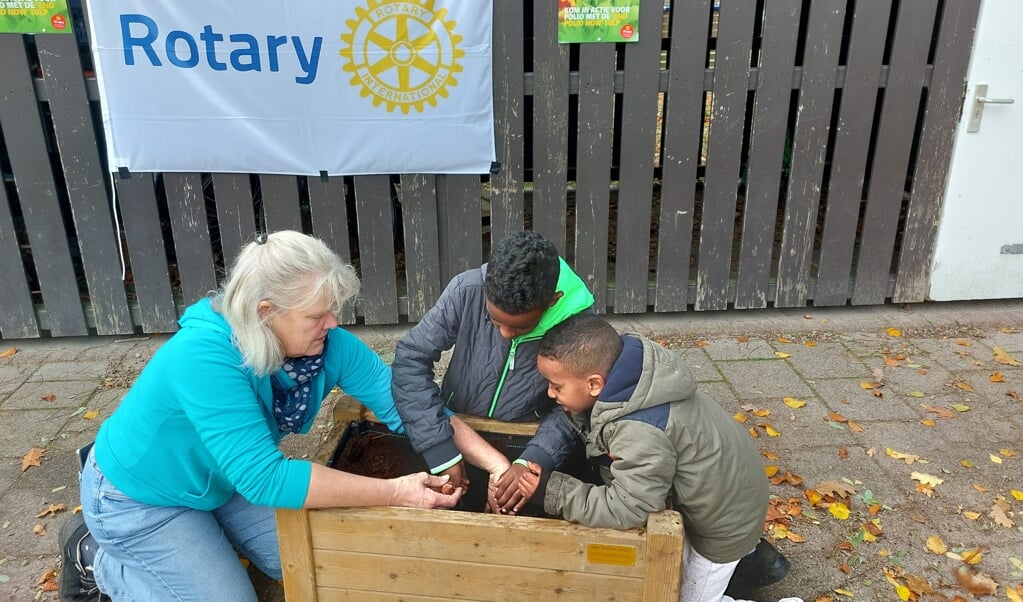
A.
pixel 635 193
pixel 23 132
pixel 140 217
pixel 187 210
pixel 280 203
pixel 852 141
pixel 550 125
pixel 376 249
pixel 892 149
pixel 766 152
pixel 593 170
pixel 85 180
pixel 235 215
pixel 809 148
pixel 683 121
pixel 944 99
pixel 297 564
pixel 329 214
pixel 724 153
pixel 458 219
pixel 507 204
pixel 662 576
pixel 18 318
pixel 422 247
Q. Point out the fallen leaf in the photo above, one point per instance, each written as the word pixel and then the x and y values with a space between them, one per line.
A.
pixel 997 377
pixel 783 340
pixel 960 407
pixel 869 385
pixel 1008 453
pixel 742 339
pixel 893 332
pixel 894 363
pixel 966 463
pixel 782 354
pixel 52 510
pixel 844 592
pixel 810 344
pixel 996 459
pixel 771 432
pixel 837 417
pixel 49 397
pixel 843 453
pixel 1016 494
pixel 928 422
pixel 963 342
pixel 977 584
pixel 971 515
pixel 915 393
pixel 702 343
pixel 908 458
pixel 770 471
pixel 963 385
pixel 769 455
pixel 793 403
pixel 855 426
pixel 839 510
pixel 1001 357
pixel 739 417
pixel 980 488
pixel 941 412
pixel 758 412
pixel 997 514
pixel 972 556
pixel 8 352
pixel 926 479
pixel 935 545
pixel 753 432
pixel 1008 330
pixel 39 530
pixel 34 457
pixel 793 537
pixel 1014 395
pixel 90 415
pixel 835 489
pixel 1014 594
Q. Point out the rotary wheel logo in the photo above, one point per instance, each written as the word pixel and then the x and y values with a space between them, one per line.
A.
pixel 402 53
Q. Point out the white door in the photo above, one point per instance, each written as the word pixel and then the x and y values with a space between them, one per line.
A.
pixel 979 249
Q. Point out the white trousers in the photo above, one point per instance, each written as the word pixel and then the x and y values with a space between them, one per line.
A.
pixel 703 580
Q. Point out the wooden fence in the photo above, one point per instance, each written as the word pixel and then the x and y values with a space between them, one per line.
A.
pixel 767 153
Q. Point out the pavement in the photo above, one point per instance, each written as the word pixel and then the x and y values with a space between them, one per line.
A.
pixel 893 436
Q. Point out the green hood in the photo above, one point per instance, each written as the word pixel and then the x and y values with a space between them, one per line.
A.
pixel 574 299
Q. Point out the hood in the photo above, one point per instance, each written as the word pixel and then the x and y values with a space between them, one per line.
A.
pixel 202 315
pixel 646 375
pixel 575 298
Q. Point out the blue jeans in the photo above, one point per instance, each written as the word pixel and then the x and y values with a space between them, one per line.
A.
pixel 175 553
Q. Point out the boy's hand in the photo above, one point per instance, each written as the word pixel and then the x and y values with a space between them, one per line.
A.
pixel 509 498
pixel 458 479
pixel 530 480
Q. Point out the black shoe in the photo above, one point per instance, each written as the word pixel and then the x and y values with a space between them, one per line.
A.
pixel 761 567
pixel 78 549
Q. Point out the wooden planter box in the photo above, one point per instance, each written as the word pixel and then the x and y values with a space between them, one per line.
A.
pixel 381 554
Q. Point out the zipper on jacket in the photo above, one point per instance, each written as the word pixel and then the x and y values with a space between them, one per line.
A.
pixel 509 364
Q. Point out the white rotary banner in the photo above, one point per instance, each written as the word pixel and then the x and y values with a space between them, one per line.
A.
pixel 342 87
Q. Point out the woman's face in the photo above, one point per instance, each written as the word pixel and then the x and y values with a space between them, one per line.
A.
pixel 302 332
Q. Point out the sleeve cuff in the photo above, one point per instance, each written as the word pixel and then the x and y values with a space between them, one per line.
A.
pixel 442 456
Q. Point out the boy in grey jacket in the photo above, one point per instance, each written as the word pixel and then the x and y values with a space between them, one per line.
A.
pixel 657 439
pixel 493 316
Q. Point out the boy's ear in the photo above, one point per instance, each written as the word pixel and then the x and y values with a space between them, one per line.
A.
pixel 557 295
pixel 595 383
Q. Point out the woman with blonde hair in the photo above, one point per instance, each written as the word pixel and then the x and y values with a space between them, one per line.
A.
pixel 187 470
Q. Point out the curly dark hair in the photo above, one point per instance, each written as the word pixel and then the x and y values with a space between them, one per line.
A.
pixel 583 344
pixel 522 274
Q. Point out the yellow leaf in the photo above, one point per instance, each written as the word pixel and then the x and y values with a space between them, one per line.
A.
pixel 770 471
pixel 855 427
pixel 839 510
pixel 1016 562
pixel 963 385
pixel 971 515
pixel 1004 358
pixel 783 340
pixel 972 556
pixel 793 403
pixel 966 463
pixel 1008 453
pixel 926 479
pixel 902 591
pixel 934 544
pixel 794 537
pixel 90 415
pixel 770 431
pixel 813 496
pixel 869 385
pixel 1017 494
pixel 928 422
pixel 844 592
pixel 996 459
pixel 893 332
pixel 702 343
pixel 980 488
pixel 769 455
pixel 753 432
pixel 9 352
pixel 997 377
pixel 740 417
pixel 963 342
pixel 810 344
pixel 960 407
pixel 909 458
pixel 782 354
pixel 1014 594
pixel 891 362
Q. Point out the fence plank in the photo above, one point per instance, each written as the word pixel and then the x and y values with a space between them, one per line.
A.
pixel 507 202
pixel 550 126
pixel 724 154
pixel 458 218
pixel 235 215
pixel 593 175
pixel 809 148
pixel 18 319
pixel 893 147
pixel 635 193
pixel 329 214
pixel 766 152
pixel 376 249
pixel 85 180
pixel 187 210
pixel 683 120
pixel 852 144
pixel 944 98
pixel 145 248
pixel 422 247
pixel 280 203
pixel 37 194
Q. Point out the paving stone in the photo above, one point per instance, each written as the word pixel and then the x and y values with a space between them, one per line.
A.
pixel 763 378
pixel 732 349
pixel 826 360
pixel 702 366
pixel 76 370
pixel 845 396
pixel 35 394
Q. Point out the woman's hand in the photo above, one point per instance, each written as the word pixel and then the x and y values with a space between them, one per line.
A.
pixel 421 490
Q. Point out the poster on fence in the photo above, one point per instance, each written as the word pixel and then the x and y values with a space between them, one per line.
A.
pixel 598 21
pixel 339 87
pixel 34 16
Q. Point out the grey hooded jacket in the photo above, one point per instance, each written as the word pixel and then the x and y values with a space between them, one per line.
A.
pixel 487 375
pixel 657 437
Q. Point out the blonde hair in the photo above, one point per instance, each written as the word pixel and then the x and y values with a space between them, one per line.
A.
pixel 291 270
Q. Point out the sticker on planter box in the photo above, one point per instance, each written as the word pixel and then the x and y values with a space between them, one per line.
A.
pixel 602 553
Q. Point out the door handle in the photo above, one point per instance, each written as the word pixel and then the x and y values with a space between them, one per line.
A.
pixel 980 99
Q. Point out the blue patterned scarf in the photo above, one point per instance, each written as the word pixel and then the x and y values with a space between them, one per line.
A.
pixel 292 391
